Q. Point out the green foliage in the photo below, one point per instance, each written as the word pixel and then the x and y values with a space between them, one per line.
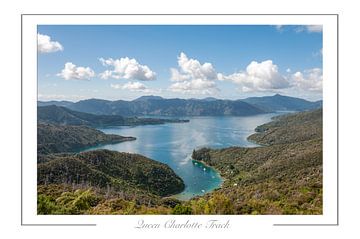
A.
pixel 219 204
pixel 79 200
pixel 181 209
pixel 76 202
pixel 46 205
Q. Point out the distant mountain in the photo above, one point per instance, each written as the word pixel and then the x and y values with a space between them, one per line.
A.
pixel 158 106
pixel 209 99
pixel 64 116
pixel 64 138
pixel 280 102
pixel 167 107
pixel 149 97
pixel 63 103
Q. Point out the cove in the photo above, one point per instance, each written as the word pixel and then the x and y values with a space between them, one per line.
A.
pixel 173 144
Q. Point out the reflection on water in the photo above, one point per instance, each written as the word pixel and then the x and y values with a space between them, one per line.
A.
pixel 173 144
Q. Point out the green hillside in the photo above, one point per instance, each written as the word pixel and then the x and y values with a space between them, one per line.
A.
pixel 65 138
pixel 106 176
pixel 282 178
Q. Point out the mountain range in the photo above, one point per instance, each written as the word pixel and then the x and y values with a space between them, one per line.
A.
pixel 63 116
pixel 158 106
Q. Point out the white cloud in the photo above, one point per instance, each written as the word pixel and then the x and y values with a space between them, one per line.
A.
pixel 195 70
pixel 126 68
pixel 45 45
pixel 263 76
pixel 177 76
pixel 71 71
pixel 193 77
pixel 309 80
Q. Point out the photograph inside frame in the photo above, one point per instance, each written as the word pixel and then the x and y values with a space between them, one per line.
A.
pixel 180 119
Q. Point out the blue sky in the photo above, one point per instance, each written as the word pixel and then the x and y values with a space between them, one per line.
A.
pixel 230 62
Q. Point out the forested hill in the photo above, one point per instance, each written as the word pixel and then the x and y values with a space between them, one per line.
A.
pixel 104 182
pixel 290 128
pixel 65 138
pixel 104 168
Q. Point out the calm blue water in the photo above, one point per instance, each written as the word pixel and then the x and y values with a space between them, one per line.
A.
pixel 173 144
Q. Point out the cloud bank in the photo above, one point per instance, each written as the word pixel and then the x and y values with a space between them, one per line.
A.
pixel 192 77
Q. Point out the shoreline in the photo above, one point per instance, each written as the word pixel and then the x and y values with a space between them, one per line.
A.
pixel 223 179
pixel 219 174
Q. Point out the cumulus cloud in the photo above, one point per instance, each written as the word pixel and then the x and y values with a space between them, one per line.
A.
pixel 309 80
pixel 71 71
pixel 193 77
pixel 45 45
pixel 263 76
pixel 126 68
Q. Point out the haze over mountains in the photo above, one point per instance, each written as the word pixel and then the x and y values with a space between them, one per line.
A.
pixel 158 106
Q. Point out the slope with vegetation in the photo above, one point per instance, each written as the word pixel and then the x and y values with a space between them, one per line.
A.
pixel 101 178
pixel 284 177
pixel 66 138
